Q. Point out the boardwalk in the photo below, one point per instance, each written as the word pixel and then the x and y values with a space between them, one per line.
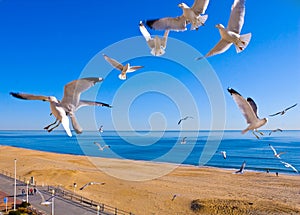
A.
pixel 65 202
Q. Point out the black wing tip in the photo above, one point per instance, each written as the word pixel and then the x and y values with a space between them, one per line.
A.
pixel 232 91
pixel 150 22
pixel 250 99
pixel 16 95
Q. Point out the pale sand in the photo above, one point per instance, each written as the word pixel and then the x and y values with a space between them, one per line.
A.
pixel 219 191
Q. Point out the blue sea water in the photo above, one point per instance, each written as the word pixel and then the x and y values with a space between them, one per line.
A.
pixel 201 148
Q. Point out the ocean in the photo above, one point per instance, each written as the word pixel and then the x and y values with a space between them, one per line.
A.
pixel 201 148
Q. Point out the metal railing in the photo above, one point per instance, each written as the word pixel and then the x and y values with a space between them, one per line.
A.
pixel 103 208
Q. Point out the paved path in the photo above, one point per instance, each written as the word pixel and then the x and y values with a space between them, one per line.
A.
pixel 61 206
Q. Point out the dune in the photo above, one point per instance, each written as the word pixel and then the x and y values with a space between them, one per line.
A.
pixel 148 188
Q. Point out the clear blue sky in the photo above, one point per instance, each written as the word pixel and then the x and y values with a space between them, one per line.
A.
pixel 45 44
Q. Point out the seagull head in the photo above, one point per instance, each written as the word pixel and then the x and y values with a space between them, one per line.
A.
pixel 183 5
pixel 53 99
pixel 219 26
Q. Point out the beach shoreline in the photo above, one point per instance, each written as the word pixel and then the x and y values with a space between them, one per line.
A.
pixel 218 190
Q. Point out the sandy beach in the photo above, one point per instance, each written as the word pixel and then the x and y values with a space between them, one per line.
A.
pixel 218 191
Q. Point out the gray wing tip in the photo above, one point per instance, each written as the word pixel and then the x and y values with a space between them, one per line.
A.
pixel 232 91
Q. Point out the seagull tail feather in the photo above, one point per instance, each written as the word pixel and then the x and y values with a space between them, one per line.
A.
pixel 244 41
pixel 122 77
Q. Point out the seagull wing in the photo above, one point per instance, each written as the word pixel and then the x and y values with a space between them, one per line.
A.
pixel 29 96
pixel 243 105
pixel 92 103
pixel 113 62
pixel 179 121
pixel 275 113
pixel 144 32
pixel 200 6
pixel 168 23
pixel 43 199
pixel 253 105
pixel 164 39
pixel 274 150
pixel 219 48
pixel 134 68
pixel 75 124
pixel 81 188
pixel 237 14
pixel 73 90
pixel 241 170
pixel 290 107
pixel 66 124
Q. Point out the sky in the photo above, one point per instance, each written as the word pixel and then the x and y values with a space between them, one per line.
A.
pixel 46 44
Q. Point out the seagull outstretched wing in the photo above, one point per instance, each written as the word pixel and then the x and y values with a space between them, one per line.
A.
pixel 237 14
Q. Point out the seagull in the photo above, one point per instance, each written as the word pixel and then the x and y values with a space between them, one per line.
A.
pixel 124 69
pixel 241 170
pixel 68 105
pixel 223 153
pixel 283 111
pixel 90 183
pixel 249 110
pixel 156 44
pixel 185 118
pixel 44 202
pixel 174 196
pixel 101 129
pixel 231 34
pixel 278 129
pixel 277 155
pixel 101 148
pixel 183 141
pixel 289 166
pixel 189 15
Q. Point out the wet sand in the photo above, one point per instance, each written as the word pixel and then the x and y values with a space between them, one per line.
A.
pixel 148 188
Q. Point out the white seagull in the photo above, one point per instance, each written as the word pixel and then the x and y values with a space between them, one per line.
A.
pixel 124 69
pixel 289 166
pixel 231 34
pixel 90 183
pixel 68 105
pixel 278 129
pixel 189 15
pixel 277 155
pixel 241 170
pixel 45 202
pixel 249 110
pixel 101 148
pixel 185 118
pixel 183 141
pixel 156 44
pixel 283 111
pixel 223 153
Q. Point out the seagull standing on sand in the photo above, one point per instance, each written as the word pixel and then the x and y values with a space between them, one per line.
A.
pixel 287 165
pixel 189 15
pixel 101 148
pixel 185 118
pixel 231 34
pixel 90 183
pixel 69 105
pixel 283 111
pixel 277 155
pixel 278 129
pixel 156 44
pixel 124 69
pixel 249 110
pixel 241 170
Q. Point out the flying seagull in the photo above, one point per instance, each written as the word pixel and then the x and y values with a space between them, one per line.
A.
pixel 124 69
pixel 183 141
pixel 101 148
pixel 101 128
pixel 231 34
pixel 278 129
pixel 283 111
pixel 45 202
pixel 241 170
pixel 249 110
pixel 277 155
pixel 189 15
pixel 156 44
pixel 68 105
pixel 223 153
pixel 287 165
pixel 174 197
pixel 185 118
pixel 90 183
